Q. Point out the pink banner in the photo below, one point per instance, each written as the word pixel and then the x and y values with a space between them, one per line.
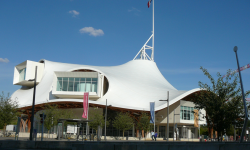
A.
pixel 85 105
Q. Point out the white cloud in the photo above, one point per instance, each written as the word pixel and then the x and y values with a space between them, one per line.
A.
pixel 134 9
pixel 192 70
pixel 92 31
pixel 74 12
pixel 182 71
pixel 5 60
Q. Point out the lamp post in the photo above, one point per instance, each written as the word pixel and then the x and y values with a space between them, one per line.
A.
pixel 167 116
pixel 199 124
pixel 199 113
pixel 106 120
pixel 243 96
pixel 33 103
pixel 174 126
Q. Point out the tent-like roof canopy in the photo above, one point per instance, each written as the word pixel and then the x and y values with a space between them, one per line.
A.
pixel 132 85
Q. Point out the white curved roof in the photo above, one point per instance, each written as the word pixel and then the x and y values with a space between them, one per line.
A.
pixel 131 86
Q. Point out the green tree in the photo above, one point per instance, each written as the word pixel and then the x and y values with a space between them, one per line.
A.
pixel 53 114
pixel 230 131
pixel 8 110
pixel 97 119
pixel 222 101
pixel 203 130
pixel 123 122
pixel 144 122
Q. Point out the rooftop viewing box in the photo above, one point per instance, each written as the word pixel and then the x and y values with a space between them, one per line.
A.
pixel 25 71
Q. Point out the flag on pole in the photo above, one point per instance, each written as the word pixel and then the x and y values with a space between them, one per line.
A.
pixel 149 2
pixel 85 105
pixel 152 112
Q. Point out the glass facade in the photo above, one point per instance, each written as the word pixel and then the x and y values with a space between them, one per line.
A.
pixel 76 84
pixel 162 130
pixel 187 113
pixel 22 74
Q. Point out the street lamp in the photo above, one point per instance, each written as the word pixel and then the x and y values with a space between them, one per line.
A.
pixel 167 116
pixel 199 113
pixel 106 120
pixel 33 103
pixel 174 126
pixel 243 96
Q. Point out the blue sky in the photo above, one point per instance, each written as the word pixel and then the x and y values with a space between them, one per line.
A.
pixel 188 34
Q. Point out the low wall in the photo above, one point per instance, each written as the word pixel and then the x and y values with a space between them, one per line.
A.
pixel 39 135
pixel 73 145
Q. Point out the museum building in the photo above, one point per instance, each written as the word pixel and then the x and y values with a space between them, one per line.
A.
pixel 128 88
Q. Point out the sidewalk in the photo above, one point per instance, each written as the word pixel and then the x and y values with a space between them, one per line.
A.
pixel 74 140
pixel 27 139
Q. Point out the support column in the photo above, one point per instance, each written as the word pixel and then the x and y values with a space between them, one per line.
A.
pixel 133 131
pixel 29 124
pixel 62 128
pixel 211 133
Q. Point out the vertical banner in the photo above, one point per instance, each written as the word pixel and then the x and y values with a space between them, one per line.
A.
pixel 196 118
pixel 152 112
pixel 85 105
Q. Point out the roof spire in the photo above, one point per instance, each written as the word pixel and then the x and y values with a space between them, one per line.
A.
pixel 142 53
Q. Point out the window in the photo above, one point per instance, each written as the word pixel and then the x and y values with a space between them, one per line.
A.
pixel 59 84
pixel 76 84
pixel 65 84
pixel 88 84
pixel 162 131
pixel 187 113
pixel 82 84
pixel 94 85
pixel 22 74
pixel 71 84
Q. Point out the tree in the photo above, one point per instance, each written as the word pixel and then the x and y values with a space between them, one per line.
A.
pixel 230 131
pixel 53 114
pixel 97 119
pixel 8 110
pixel 204 130
pixel 123 122
pixel 222 101
pixel 144 122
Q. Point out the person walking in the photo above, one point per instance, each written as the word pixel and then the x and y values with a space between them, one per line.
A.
pixel 152 135
pixel 155 135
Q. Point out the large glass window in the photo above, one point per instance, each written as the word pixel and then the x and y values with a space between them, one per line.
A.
pixel 65 84
pixel 77 84
pixel 59 84
pixel 82 84
pixel 22 74
pixel 88 84
pixel 94 85
pixel 162 131
pixel 187 113
pixel 71 84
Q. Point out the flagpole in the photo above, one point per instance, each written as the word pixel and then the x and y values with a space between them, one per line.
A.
pixel 154 117
pixel 153 40
pixel 87 128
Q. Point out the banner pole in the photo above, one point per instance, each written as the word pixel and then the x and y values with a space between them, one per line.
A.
pixel 153 40
pixel 87 128
pixel 154 117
